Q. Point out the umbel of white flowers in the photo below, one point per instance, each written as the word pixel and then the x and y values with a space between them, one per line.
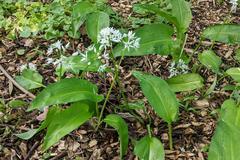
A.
pixel 234 5
pixel 178 68
pixel 106 39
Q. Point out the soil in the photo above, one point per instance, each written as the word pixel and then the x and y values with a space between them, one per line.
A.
pixel 191 133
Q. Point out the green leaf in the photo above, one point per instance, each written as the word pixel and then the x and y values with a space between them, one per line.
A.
pixel 21 52
pixel 16 103
pixel 79 13
pixel 209 59
pixel 226 33
pixel 27 135
pixel 155 39
pixel 182 11
pixel 30 79
pixel 160 96
pixel 120 125
pixel 66 91
pixel 65 122
pixel 225 142
pixel 95 23
pixel 234 73
pixel 185 82
pixel 149 148
pixel 158 11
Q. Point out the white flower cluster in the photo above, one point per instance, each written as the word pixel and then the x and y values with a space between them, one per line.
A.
pixel 178 68
pixel 234 5
pixel 58 46
pixel 30 66
pixel 108 36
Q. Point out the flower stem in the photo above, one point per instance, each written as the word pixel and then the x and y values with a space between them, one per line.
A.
pixel 170 136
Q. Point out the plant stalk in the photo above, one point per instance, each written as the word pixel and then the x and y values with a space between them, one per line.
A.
pixel 170 136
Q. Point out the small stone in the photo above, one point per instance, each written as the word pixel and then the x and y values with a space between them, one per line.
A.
pixel 202 103
pixel 92 143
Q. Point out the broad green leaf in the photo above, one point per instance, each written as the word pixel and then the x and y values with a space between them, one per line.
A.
pixel 79 13
pixel 234 73
pixel 225 142
pixel 182 11
pixel 16 103
pixel 210 60
pixel 149 148
pixel 185 82
pixel 155 39
pixel 226 33
pixel 30 79
pixel 65 122
pixel 160 96
pixel 120 125
pixel 162 13
pixel 95 23
pixel 66 91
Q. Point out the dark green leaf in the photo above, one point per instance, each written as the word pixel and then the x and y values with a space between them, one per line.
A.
pixel 234 73
pixel 149 148
pixel 226 33
pixel 209 59
pixel 182 11
pixel 120 125
pixel 16 103
pixel 185 82
pixel 95 23
pixel 66 91
pixel 30 79
pixel 65 122
pixel 225 142
pixel 160 96
pixel 155 39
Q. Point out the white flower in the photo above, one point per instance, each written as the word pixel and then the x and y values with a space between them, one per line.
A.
pixel 75 53
pixel 178 68
pixel 132 41
pixel 32 66
pixel 67 45
pixel 49 60
pixel 23 67
pixel 234 5
pixel 57 45
pixel 84 57
pixel 50 50
pixel 107 36
pixel 91 48
pixel 102 68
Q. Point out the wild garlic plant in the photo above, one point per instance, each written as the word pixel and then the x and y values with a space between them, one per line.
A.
pixel 97 57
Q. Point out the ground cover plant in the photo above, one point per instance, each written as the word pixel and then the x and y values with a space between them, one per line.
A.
pixel 101 82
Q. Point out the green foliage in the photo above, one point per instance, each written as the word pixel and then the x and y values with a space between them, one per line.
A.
pixel 227 33
pixel 66 91
pixel 16 103
pixel 155 38
pixel 149 148
pixel 65 122
pixel 234 73
pixel 120 125
pixel 160 96
pixel 225 142
pixel 95 23
pixel 30 79
pixel 185 82
pixel 209 59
